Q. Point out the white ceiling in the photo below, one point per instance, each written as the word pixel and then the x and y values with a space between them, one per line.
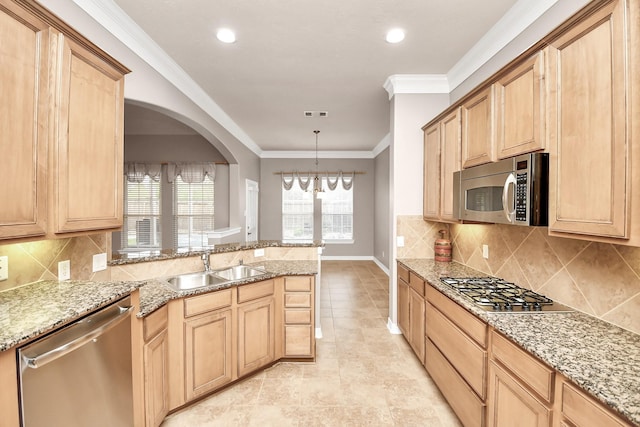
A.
pixel 318 55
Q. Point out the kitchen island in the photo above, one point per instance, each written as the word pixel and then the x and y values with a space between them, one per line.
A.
pixel 600 358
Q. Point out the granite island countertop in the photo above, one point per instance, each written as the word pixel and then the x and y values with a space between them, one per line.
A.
pixel 37 308
pixel 157 293
pixel 573 343
pixel 165 254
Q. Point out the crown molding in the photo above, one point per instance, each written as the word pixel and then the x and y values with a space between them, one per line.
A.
pixel 321 155
pixel 382 145
pixel 416 83
pixel 108 14
pixel 518 18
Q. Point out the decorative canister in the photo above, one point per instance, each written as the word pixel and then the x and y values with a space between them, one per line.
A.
pixel 442 247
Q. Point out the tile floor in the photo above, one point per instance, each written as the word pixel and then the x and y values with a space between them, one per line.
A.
pixel 363 375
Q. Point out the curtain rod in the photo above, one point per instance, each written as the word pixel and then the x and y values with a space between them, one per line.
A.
pixel 319 173
pixel 180 161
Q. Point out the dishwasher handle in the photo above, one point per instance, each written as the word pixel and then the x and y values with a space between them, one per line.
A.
pixel 86 331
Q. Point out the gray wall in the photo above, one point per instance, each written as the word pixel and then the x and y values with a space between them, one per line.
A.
pixel 179 148
pixel 381 233
pixel 363 201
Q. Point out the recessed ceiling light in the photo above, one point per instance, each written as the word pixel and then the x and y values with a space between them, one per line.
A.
pixel 395 36
pixel 225 35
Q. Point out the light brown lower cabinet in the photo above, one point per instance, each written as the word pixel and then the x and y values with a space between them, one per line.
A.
pixel 469 408
pixel 256 335
pixel 511 403
pixel 411 308
pixel 299 331
pixel 155 355
pixel 207 352
pixel 579 409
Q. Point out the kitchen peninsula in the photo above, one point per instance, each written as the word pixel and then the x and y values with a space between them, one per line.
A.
pixel 261 320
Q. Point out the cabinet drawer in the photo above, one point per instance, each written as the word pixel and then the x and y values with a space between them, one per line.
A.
pixel 297 284
pixel 584 411
pixel 469 359
pixel 416 283
pixel 298 340
pixel 297 317
pixel 255 291
pixel 539 377
pixel 207 302
pixel 297 300
pixel 403 273
pixel 464 402
pixel 466 321
pixel 154 323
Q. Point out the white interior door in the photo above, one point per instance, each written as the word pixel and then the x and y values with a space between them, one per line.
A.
pixel 252 211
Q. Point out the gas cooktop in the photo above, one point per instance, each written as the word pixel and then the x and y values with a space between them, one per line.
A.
pixel 494 294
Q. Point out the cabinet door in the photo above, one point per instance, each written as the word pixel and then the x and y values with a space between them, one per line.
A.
pixel 298 341
pixel 88 154
pixel 519 117
pixel 256 335
pixel 589 165
pixel 156 386
pixel 416 309
pixel 24 72
pixel 431 200
pixel 449 162
pixel 403 308
pixel 477 129
pixel 207 352
pixel 511 404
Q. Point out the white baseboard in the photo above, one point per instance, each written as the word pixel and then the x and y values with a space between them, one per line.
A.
pixel 393 328
pixel 357 258
pixel 318 333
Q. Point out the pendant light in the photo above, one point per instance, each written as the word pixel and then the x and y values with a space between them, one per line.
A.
pixel 317 181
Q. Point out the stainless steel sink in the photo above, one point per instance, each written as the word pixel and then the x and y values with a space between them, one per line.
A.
pixel 185 282
pixel 238 272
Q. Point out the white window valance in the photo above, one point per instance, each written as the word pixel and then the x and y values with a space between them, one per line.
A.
pixel 347 180
pixel 135 172
pixel 304 180
pixel 191 172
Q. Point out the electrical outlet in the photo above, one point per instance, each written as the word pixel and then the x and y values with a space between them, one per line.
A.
pixel 400 241
pixel 258 252
pixel 99 262
pixel 382 254
pixel 485 251
pixel 4 268
pixel 64 270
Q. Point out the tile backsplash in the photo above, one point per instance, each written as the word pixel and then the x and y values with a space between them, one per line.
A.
pixel 600 279
pixel 33 261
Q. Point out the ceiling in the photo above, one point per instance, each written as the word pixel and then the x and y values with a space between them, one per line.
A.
pixel 293 56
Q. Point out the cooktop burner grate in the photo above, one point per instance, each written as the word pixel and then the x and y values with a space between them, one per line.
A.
pixel 495 294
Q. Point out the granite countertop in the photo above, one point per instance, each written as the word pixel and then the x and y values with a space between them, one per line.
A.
pixel 164 254
pixel 600 357
pixel 40 307
pixel 157 293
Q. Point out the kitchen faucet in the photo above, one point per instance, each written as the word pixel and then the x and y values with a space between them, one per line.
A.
pixel 205 261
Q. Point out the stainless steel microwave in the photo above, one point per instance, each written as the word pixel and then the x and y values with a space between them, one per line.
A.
pixel 511 191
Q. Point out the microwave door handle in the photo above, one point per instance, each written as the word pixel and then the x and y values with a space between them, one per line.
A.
pixel 511 179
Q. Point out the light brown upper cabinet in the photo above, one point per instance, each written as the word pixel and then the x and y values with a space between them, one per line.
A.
pixel 519 108
pixel 23 121
pixel 477 129
pixel 589 126
pixel 89 141
pixel 61 121
pixel 441 160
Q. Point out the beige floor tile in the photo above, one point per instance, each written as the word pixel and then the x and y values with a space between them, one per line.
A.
pixel 362 376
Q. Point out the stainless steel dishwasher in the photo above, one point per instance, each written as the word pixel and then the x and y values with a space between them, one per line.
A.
pixel 80 375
